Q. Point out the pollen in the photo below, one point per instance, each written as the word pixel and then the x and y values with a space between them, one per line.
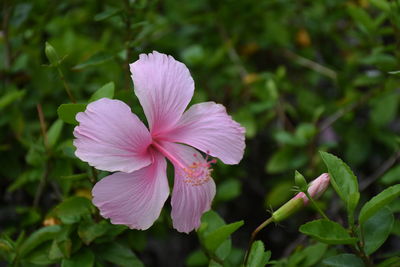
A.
pixel 199 172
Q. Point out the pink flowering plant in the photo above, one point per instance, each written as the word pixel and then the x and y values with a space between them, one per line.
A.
pixel 111 138
pixel 133 160
pixel 118 175
pixel 262 133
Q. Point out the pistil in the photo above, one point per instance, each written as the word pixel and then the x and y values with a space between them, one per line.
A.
pixel 195 174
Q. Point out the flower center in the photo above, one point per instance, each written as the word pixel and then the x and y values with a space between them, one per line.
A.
pixel 195 174
pixel 199 172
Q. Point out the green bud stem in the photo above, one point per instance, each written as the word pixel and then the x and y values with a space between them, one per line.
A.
pixel 288 209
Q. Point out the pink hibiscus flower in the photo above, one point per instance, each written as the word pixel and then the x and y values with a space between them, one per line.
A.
pixel 111 138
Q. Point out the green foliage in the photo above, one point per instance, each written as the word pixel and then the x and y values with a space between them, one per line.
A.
pixel 258 257
pixel 214 235
pixel 84 258
pixel 67 112
pixel 378 202
pixel 377 229
pixel 106 90
pixel 118 254
pixel 37 238
pixel 342 178
pixel 301 77
pixel 215 238
pixel 345 260
pixel 328 232
pixel 72 210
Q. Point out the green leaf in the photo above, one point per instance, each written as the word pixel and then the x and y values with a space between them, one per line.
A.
pixel 285 159
pixel 258 257
pixel 215 238
pixel 381 4
pixel 353 199
pixel 313 254
pixel 342 178
pixel 210 222
pixel 108 13
pixel 328 232
pixel 118 254
pixel 384 109
pixel 343 260
pixel 39 256
pixel 10 97
pixel 392 176
pixel 377 229
pixel 89 231
pixel 42 235
pixel 106 90
pixel 97 59
pixel 72 209
pixel 391 262
pixel 213 263
pixel 67 112
pixel 55 252
pixel 196 258
pixel 378 201
pixel 84 258
pixel 362 18
pixel 7 249
pixel 228 190
pixel 54 132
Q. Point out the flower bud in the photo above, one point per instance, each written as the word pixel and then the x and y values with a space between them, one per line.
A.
pixel 316 188
pixel 51 55
pixel 300 181
pixel 288 209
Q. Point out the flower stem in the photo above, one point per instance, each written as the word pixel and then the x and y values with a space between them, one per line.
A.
pixel 253 237
pixel 66 86
pixel 316 206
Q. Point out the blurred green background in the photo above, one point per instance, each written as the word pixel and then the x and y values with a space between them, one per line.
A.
pixel 301 76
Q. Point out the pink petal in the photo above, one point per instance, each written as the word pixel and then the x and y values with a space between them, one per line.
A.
pixel 164 88
pixel 133 199
pixel 316 188
pixel 190 198
pixel 110 137
pixel 207 127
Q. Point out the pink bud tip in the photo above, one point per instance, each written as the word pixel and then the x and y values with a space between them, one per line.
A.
pixel 316 188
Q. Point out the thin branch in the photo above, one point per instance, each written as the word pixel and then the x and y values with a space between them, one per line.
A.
pixel 43 126
pixel 305 62
pixel 42 184
pixel 232 53
pixel 66 86
pixel 325 124
pixel 380 171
